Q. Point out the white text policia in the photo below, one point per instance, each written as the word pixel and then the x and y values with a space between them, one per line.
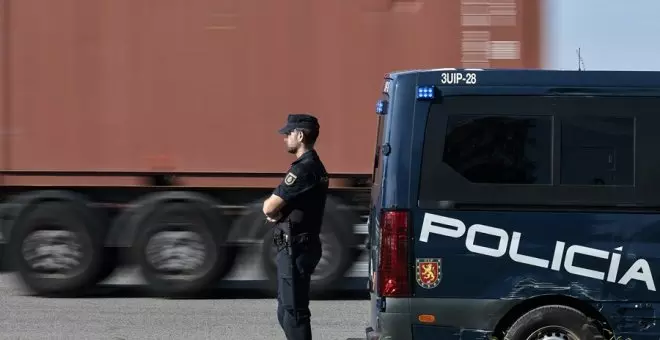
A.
pixel 451 227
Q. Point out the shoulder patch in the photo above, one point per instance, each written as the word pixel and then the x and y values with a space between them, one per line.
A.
pixel 290 178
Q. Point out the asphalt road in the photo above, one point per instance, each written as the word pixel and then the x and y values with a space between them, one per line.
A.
pixel 123 312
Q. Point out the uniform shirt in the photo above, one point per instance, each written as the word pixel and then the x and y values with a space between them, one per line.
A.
pixel 304 190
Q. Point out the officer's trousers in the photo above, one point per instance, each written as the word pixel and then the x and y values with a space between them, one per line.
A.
pixel 294 271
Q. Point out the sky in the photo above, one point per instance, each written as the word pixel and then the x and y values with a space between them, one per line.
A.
pixel 611 34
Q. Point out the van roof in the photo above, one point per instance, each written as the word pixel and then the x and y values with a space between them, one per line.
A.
pixel 537 77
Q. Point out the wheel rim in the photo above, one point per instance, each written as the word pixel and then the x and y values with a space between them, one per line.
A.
pixel 553 333
pixel 180 254
pixel 53 253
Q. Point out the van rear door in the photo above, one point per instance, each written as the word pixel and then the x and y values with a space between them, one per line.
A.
pixel 376 184
pixel 472 146
pixel 382 107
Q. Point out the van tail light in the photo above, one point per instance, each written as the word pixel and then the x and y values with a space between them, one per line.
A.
pixel 393 279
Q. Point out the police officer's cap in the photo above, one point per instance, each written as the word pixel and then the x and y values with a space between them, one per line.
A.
pixel 299 121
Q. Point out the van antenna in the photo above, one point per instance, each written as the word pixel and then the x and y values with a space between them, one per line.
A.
pixel 580 61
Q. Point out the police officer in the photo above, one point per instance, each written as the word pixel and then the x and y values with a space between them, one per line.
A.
pixel 296 207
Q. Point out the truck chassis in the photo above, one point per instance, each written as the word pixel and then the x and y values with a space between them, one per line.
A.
pixel 65 240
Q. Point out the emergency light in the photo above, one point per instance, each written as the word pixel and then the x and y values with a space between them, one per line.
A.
pixel 425 92
pixel 380 107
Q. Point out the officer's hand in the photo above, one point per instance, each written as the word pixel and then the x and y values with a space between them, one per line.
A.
pixel 274 219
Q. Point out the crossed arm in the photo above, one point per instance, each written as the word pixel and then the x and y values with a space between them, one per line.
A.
pixel 297 181
pixel 272 208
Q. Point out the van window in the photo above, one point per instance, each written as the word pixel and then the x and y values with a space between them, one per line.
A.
pixel 498 149
pixel 377 173
pixel 536 151
pixel 597 150
pixel 476 141
pixel 378 169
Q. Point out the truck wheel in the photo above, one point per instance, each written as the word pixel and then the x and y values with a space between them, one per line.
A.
pixel 57 250
pixel 180 249
pixel 336 259
pixel 110 262
pixel 553 322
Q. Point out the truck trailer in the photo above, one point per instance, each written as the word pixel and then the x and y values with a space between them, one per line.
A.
pixel 144 132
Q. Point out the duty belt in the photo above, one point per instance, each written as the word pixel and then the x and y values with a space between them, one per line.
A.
pixel 282 239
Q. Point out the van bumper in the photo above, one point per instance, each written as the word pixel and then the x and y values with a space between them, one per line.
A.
pixel 390 326
pixel 460 319
pixel 372 334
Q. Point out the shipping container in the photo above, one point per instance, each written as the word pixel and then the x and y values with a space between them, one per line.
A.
pixel 114 109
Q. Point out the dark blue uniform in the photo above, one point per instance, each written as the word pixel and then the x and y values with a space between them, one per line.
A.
pixel 304 190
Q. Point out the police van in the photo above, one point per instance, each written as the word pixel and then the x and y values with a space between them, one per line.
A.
pixel 516 204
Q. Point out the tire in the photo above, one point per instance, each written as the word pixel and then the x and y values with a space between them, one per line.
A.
pixel 189 221
pixel 569 322
pixel 58 221
pixel 337 257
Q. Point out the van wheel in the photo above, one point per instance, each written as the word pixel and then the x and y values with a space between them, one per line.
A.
pixel 180 249
pixel 57 249
pixel 336 259
pixel 553 322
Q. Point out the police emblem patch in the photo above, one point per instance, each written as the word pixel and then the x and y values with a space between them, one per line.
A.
pixel 290 178
pixel 428 272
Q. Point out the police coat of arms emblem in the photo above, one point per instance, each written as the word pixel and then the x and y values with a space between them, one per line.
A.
pixel 428 272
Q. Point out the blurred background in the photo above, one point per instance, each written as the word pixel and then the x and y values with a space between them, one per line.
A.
pixel 156 85
pixel 115 101
pixel 612 35
pixel 118 101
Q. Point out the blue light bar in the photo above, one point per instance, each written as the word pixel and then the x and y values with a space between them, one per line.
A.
pixel 381 107
pixel 425 92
